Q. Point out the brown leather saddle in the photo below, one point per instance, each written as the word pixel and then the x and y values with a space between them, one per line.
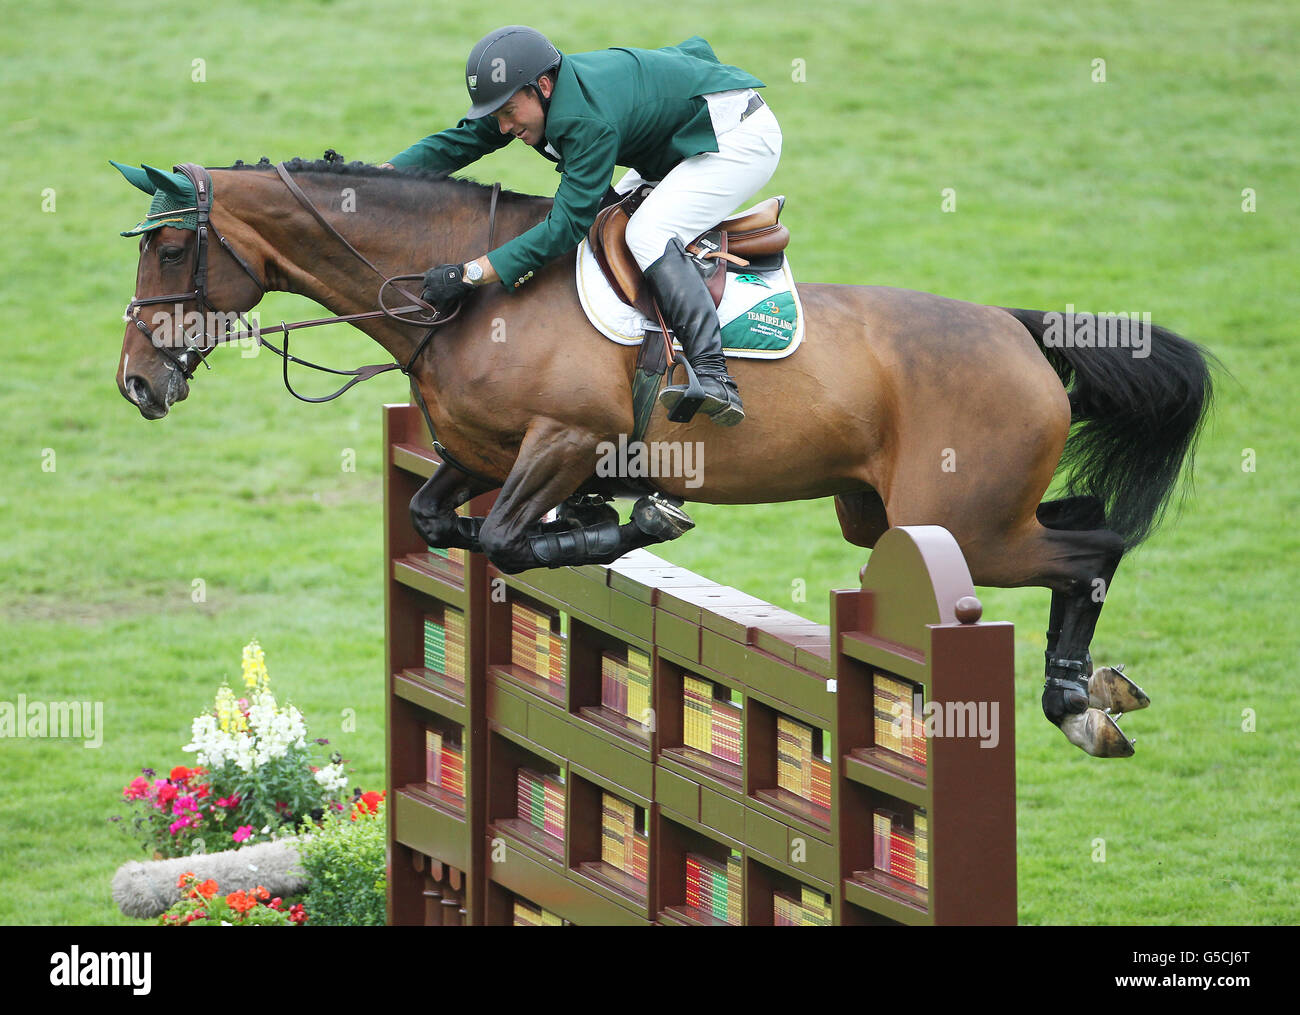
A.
pixel 753 239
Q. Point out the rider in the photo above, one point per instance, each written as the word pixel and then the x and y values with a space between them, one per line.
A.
pixel 675 116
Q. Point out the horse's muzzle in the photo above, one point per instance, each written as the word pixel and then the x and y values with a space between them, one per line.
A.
pixel 138 391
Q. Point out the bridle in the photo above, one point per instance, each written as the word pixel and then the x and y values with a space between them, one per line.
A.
pixel 190 356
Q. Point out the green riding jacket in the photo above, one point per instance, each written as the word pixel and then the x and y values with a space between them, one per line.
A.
pixel 640 108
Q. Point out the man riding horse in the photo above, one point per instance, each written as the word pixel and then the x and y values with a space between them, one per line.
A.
pixel 901 380
pixel 676 116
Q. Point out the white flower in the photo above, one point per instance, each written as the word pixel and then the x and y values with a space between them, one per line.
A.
pixel 214 746
pixel 201 731
pixel 332 778
pixel 241 752
pixel 270 733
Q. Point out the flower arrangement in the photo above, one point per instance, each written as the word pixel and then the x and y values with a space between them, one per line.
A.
pixel 254 780
pixel 202 905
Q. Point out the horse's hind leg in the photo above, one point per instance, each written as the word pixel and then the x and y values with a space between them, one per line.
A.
pixel 1108 688
pixel 1083 556
pixel 1067 549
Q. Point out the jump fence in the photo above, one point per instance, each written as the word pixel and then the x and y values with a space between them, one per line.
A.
pixel 636 744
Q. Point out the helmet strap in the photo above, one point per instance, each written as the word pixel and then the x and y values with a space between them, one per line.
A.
pixel 553 74
pixel 546 102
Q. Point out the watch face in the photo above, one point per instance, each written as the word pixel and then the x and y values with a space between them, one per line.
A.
pixel 473 272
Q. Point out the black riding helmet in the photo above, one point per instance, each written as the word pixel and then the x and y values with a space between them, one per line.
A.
pixel 503 62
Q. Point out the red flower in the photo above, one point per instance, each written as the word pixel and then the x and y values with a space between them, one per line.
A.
pixel 240 902
pixel 180 881
pixel 138 787
pixel 368 803
pixel 180 773
pixel 208 888
pixel 166 794
pixel 297 914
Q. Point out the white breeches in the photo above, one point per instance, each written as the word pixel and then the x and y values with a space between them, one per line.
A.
pixel 701 191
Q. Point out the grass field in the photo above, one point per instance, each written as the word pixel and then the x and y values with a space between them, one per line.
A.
pixel 1130 193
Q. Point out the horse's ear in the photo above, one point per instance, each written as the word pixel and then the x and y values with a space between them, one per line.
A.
pixel 173 183
pixel 138 178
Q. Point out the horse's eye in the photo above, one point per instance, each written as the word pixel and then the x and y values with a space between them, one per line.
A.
pixel 170 255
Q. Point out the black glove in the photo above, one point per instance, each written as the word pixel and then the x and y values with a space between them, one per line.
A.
pixel 445 286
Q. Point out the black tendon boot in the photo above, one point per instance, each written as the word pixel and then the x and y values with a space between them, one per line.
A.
pixel 689 309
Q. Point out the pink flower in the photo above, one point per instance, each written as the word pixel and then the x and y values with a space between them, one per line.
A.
pixel 178 826
pixel 138 787
pixel 243 832
pixel 183 804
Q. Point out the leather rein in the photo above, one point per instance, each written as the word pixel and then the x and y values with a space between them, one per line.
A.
pixel 192 355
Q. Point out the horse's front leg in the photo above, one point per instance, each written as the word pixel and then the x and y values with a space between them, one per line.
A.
pixel 554 460
pixel 433 509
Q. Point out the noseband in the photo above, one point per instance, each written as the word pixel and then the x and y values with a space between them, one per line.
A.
pixel 192 355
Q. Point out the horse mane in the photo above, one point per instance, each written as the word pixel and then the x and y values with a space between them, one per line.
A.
pixel 334 163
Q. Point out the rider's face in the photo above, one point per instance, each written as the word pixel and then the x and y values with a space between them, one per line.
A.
pixel 523 115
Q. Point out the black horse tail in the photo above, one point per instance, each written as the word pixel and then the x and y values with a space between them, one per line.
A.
pixel 1137 409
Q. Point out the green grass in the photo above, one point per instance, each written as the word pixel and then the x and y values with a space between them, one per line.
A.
pixel 1118 195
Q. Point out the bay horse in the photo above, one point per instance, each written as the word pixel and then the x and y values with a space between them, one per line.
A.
pixel 907 408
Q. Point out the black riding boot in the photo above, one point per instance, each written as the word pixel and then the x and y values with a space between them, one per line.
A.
pixel 689 309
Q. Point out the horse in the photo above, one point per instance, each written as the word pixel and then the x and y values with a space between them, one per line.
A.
pixel 907 408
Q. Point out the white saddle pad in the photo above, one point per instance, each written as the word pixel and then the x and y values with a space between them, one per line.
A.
pixel 760 313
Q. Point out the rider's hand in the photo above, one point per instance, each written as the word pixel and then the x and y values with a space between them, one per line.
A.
pixel 445 286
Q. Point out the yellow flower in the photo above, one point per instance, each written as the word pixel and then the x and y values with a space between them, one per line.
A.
pixel 229 715
pixel 254 667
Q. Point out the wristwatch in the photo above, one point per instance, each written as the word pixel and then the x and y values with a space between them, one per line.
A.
pixel 473 272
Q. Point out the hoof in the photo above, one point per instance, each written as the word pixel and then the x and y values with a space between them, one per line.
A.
pixel 661 518
pixel 1110 690
pixel 1096 733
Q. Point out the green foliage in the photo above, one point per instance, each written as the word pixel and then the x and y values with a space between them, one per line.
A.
pixel 346 867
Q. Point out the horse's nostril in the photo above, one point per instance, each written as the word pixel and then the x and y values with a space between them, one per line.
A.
pixel 137 389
